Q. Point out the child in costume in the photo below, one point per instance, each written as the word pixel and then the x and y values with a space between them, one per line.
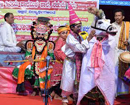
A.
pixel 73 50
pixel 36 49
pixel 63 32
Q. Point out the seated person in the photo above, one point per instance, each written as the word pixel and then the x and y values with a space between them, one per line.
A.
pixel 8 42
pixel 37 49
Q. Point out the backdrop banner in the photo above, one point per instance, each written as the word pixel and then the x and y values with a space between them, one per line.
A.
pixel 26 12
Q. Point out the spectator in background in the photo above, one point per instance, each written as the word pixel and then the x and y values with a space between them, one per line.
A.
pixel 122 39
pixel 63 32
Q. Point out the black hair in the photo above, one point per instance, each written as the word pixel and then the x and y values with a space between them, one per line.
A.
pixel 7 15
pixel 119 10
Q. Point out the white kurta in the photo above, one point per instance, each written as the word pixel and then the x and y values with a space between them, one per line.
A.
pixel 8 39
pixel 69 67
pixel 122 88
pixel 106 81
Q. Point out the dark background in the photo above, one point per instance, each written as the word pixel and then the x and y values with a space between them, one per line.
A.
pixel 109 11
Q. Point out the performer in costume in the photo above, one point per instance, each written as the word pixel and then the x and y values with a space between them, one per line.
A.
pixel 36 49
pixel 73 50
pixel 63 32
pixel 98 64
pixel 94 96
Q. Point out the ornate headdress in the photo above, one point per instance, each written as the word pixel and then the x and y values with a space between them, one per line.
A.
pixel 42 27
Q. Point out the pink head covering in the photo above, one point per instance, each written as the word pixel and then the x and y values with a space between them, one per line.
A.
pixel 41 28
pixel 73 18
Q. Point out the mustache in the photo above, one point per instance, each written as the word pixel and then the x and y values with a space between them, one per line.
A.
pixel 39 38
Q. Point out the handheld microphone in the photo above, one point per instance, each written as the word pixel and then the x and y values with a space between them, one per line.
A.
pixel 47 61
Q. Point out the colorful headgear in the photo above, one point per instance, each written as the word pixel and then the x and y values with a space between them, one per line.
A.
pixel 43 20
pixel 42 27
pixel 64 28
pixel 73 18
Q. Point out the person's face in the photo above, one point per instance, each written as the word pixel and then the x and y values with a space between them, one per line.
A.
pixel 77 28
pixel 64 34
pixel 119 17
pixel 39 36
pixel 10 19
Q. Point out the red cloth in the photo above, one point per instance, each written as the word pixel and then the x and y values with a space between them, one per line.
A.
pixel 8 83
pixel 59 54
pixel 127 74
pixel 57 67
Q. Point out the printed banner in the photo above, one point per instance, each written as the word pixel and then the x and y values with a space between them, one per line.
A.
pixel 26 12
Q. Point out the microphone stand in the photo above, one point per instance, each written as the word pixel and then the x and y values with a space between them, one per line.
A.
pixel 46 79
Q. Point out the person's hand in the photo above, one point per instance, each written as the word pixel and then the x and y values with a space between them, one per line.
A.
pixel 21 45
pixel 30 59
pixel 92 10
pixel 126 43
pixel 91 35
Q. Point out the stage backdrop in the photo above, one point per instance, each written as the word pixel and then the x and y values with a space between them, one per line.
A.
pixel 57 10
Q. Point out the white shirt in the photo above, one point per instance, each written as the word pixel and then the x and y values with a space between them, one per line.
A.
pixel 118 27
pixel 72 45
pixel 7 36
pixel 122 87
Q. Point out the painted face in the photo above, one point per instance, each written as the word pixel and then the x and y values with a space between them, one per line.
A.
pixel 40 36
pixel 10 19
pixel 42 31
pixel 119 17
pixel 64 34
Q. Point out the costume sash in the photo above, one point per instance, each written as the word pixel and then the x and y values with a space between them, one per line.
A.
pixel 124 35
pixel 96 58
pixel 24 65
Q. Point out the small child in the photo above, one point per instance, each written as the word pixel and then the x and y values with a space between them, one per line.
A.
pixel 63 32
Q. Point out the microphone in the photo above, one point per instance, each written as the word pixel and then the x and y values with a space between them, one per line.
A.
pixel 48 61
pixel 46 79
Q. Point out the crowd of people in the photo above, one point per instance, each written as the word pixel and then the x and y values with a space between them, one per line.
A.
pixel 81 68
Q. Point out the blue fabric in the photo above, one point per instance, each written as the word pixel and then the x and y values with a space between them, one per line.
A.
pixel 8 56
